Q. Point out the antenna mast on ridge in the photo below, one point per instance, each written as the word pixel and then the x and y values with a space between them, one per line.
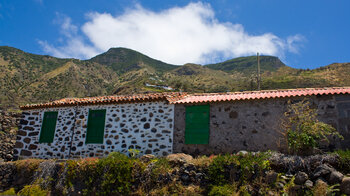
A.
pixel 258 74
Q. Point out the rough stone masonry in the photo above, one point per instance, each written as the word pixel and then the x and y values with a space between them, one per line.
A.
pixel 145 126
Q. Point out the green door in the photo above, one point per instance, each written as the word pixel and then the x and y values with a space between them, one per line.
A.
pixel 197 124
pixel 96 126
pixel 48 127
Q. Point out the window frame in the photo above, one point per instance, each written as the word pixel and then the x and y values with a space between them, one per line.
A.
pixel 43 128
pixel 91 139
pixel 191 129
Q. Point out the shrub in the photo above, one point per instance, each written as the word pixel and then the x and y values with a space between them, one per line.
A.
pixel 106 176
pixel 33 190
pixel 25 170
pixel 11 191
pixel 225 190
pixel 28 165
pixel 161 167
pixel 249 166
pixel 344 162
pixel 116 174
pixel 303 130
pixel 218 171
pixel 175 188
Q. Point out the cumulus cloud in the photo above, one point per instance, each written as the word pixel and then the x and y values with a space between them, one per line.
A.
pixel 74 44
pixel 177 35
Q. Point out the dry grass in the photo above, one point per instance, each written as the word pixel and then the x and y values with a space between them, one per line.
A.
pixel 202 161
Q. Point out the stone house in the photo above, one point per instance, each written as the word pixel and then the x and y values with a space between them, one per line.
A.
pixel 165 123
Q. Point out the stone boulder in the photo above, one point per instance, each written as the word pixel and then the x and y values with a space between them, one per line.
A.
pixel 335 177
pixel 322 171
pixel 179 159
pixel 309 184
pixel 345 186
pixel 300 178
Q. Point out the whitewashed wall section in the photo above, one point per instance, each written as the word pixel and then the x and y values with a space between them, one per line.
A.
pixel 147 127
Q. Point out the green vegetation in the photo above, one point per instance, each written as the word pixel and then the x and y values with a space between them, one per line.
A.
pixel 118 174
pixel 107 176
pixel 303 131
pixel 228 168
pixel 28 78
pixel 248 64
pixel 11 191
pixel 223 190
pixel 33 190
pixel 344 160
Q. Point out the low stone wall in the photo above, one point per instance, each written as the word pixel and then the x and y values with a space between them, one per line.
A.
pixel 144 126
pixel 8 130
pixel 254 125
pixel 309 172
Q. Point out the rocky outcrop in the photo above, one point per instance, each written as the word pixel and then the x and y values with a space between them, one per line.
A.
pixel 8 130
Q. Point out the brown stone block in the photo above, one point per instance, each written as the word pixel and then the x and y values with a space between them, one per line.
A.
pixel 27 140
pixel 32 147
pixel 28 128
pixel 19 145
pixel 22 133
pixel 33 133
pixel 26 153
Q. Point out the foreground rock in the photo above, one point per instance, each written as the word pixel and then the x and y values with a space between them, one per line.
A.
pixel 179 159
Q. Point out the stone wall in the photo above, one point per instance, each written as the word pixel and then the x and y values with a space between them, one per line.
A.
pixel 8 130
pixel 254 125
pixel 144 126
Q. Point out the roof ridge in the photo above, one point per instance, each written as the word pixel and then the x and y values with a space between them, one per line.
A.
pixel 184 97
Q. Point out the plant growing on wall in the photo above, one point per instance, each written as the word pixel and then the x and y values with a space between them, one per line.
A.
pixel 302 129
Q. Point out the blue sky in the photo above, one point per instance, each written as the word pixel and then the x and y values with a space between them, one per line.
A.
pixel 304 34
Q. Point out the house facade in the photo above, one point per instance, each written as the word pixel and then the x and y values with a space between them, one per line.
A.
pixel 166 123
pixel 88 127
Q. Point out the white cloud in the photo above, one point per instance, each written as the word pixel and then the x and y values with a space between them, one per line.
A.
pixel 74 45
pixel 177 35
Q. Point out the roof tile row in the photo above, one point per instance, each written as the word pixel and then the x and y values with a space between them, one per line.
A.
pixel 264 94
pixel 185 98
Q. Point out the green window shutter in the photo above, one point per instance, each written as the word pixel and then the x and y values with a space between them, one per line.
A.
pixel 96 126
pixel 197 124
pixel 48 127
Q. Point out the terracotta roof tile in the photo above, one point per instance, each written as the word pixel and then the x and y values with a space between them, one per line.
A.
pixel 171 97
pixel 264 94
pixel 185 98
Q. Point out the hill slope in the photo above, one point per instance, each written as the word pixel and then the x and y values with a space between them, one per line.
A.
pixel 123 60
pixel 248 64
pixel 28 78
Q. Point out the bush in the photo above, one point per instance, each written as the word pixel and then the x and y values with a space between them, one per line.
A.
pixel 225 190
pixel 344 162
pixel 223 168
pixel 161 167
pixel 33 190
pixel 106 176
pixel 11 191
pixel 303 130
pixel 116 174
pixel 218 171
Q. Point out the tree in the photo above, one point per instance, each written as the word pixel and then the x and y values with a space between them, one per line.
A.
pixel 303 131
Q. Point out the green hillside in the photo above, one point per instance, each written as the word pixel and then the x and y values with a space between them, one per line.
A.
pixel 29 78
pixel 248 64
pixel 123 60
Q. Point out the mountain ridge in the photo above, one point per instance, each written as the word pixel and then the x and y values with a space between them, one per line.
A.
pixel 31 78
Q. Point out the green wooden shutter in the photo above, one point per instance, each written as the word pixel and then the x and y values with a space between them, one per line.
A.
pixel 197 124
pixel 48 127
pixel 96 126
